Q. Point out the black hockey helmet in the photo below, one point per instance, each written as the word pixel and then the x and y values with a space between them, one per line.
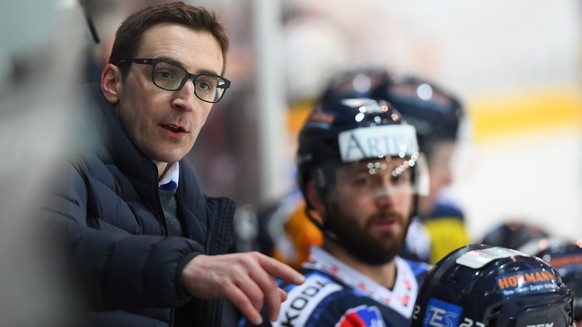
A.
pixel 513 234
pixel 565 256
pixel 482 285
pixel 435 112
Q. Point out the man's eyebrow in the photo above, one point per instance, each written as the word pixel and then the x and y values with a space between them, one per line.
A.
pixel 357 169
pixel 177 62
pixel 170 60
pixel 208 71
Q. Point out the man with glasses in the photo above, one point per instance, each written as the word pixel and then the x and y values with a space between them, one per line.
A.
pixel 358 170
pixel 170 76
pixel 144 244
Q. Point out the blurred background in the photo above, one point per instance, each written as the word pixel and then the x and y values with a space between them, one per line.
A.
pixel 515 64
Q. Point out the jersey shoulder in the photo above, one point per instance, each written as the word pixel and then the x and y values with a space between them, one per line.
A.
pixel 325 301
pixel 419 268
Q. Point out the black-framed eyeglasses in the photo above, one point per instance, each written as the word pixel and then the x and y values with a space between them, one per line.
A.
pixel 170 76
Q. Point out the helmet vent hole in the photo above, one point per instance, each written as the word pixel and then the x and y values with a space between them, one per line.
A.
pixel 494 315
pixel 496 310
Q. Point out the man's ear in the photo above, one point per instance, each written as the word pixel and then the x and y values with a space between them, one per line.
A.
pixel 314 198
pixel 111 83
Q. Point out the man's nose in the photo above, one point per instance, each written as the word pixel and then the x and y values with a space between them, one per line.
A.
pixel 384 196
pixel 384 188
pixel 185 96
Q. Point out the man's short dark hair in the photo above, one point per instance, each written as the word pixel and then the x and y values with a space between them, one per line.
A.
pixel 129 34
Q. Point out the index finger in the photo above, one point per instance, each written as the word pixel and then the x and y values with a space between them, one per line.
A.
pixel 280 270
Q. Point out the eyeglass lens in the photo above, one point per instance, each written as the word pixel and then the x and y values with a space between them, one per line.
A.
pixel 171 77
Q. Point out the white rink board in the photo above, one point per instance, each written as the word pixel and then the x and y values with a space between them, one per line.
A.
pixel 535 176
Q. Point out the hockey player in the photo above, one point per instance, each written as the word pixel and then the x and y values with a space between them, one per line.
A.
pixel 358 170
pixel 438 116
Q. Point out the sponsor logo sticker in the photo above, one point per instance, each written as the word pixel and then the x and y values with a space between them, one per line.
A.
pixel 570 261
pixel 377 141
pixel 303 299
pixel 361 316
pixel 441 314
pixel 526 282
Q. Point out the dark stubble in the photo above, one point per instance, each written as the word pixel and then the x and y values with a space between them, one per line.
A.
pixel 362 242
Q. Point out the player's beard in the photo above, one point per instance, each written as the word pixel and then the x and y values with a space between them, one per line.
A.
pixel 362 242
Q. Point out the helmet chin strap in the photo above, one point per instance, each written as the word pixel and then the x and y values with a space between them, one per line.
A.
pixel 321 188
pixel 326 232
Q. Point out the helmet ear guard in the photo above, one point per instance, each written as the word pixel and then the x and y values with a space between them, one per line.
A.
pixel 319 179
pixel 315 185
pixel 482 285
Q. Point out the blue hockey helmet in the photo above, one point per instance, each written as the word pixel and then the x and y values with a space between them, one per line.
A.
pixel 482 285
pixel 435 112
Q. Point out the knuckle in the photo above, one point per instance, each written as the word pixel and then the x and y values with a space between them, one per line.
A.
pixel 259 298
pixel 255 254
pixel 270 283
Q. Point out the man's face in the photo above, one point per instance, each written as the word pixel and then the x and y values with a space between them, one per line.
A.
pixel 165 124
pixel 372 207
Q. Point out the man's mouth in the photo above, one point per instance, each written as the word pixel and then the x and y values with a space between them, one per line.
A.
pixel 385 222
pixel 387 219
pixel 174 128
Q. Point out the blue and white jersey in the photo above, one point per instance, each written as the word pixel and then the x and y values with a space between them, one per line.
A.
pixel 336 295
